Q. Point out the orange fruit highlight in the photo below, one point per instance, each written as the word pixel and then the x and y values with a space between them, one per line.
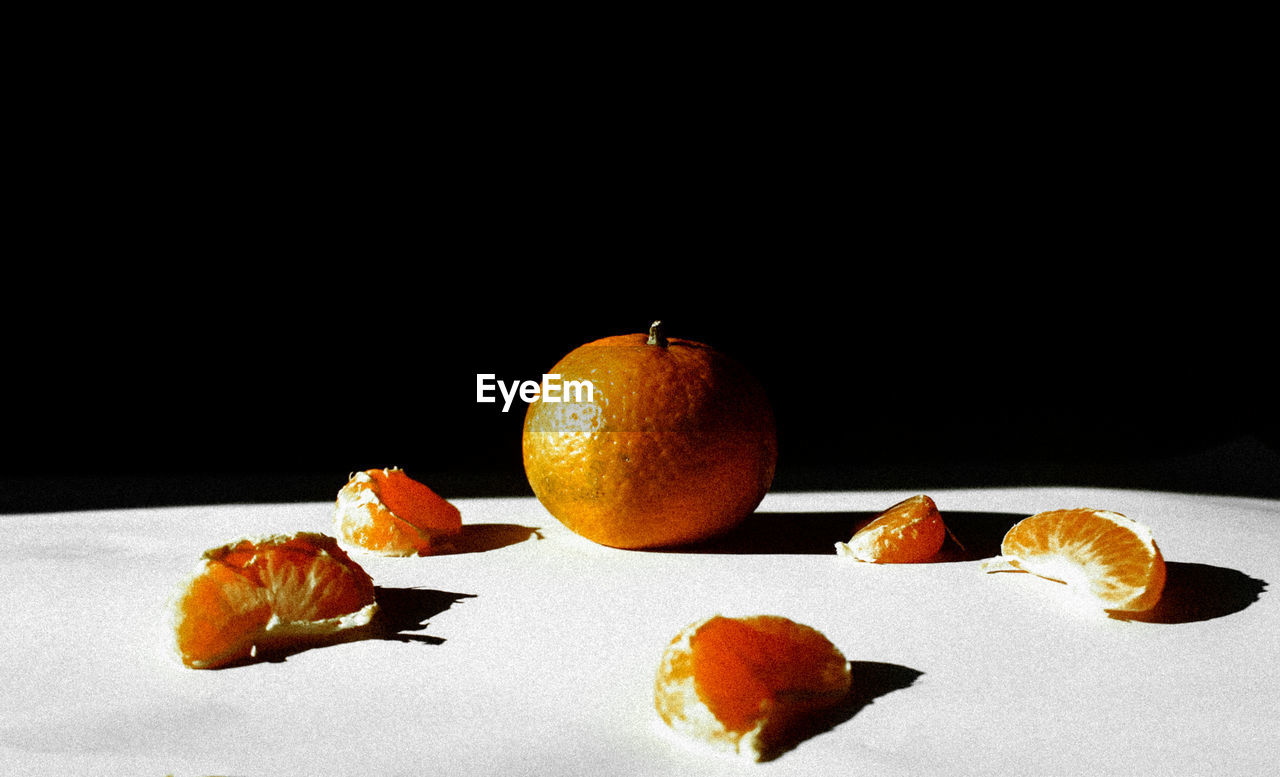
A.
pixel 909 532
pixel 744 685
pixel 262 592
pixel 1107 558
pixel 677 442
pixel 387 512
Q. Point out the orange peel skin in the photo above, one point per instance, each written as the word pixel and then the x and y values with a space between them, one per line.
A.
pixel 676 443
pixel 384 511
pixel 747 686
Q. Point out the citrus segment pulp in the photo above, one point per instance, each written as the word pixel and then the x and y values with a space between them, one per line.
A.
pixel 1105 557
pixel 742 684
pixel 909 532
pixel 387 512
pixel 255 592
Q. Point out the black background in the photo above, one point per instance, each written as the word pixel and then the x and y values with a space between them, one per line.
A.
pixel 257 295
pixel 886 371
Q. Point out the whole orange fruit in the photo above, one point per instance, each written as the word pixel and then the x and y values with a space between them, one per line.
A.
pixel 676 443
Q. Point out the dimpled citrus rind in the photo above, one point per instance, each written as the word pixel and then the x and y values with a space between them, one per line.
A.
pixel 677 444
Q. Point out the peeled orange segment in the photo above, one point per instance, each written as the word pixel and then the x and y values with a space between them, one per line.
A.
pixel 909 532
pixel 258 592
pixel 1105 557
pixel 742 685
pixel 387 512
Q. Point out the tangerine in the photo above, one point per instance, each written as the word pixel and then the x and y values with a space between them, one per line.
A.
pixel 676 442
pixel 744 685
pixel 387 512
pixel 909 532
pixel 1109 559
pixel 260 592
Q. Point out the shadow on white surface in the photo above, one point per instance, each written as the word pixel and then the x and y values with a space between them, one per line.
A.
pixel 402 613
pixel 481 537
pixel 1193 591
pixel 974 535
pixel 871 680
pixel 1199 592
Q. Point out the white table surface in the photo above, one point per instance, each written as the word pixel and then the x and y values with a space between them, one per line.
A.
pixel 534 651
